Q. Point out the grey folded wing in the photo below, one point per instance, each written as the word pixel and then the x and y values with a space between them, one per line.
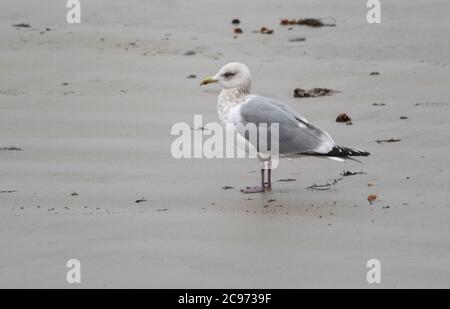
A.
pixel 296 135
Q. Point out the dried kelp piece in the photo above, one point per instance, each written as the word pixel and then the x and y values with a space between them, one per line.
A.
pixel 11 148
pixel 288 22
pixel 348 173
pixel 343 117
pixel 238 30
pixel 312 93
pixel 141 200
pixel 311 22
pixel 298 39
pixel 235 21
pixel 265 30
pixel 389 140
pixel 22 25
pixel 326 186
pixel 372 198
pixel 227 187
pixel 8 191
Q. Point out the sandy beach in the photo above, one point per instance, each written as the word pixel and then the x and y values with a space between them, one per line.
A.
pixel 86 112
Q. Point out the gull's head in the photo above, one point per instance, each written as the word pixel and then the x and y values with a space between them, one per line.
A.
pixel 231 75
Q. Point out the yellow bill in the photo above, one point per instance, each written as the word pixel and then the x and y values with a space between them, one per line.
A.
pixel 208 80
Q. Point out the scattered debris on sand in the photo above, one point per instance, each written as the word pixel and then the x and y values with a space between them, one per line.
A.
pixel 312 93
pixel 271 200
pixel 288 22
pixel 189 53
pixel 372 198
pixel 22 25
pixel 348 173
pixel 388 140
pixel 74 194
pixel 297 39
pixel 238 31
pixel 65 84
pixel 227 187
pixel 141 200
pixel 265 30
pixel 8 191
pixel 379 104
pixel 235 21
pixel 403 117
pixel 10 148
pixel 374 73
pixel 191 76
pixel 343 117
pixel 162 209
pixel 326 186
pixel 311 22
pixel 287 179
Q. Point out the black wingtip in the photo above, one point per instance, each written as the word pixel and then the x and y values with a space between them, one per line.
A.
pixel 339 151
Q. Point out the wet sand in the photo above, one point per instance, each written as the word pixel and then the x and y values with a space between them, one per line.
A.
pixel 91 106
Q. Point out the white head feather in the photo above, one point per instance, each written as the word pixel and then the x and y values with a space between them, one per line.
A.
pixel 234 75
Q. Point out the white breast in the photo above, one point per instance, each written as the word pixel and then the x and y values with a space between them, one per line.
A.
pixel 234 114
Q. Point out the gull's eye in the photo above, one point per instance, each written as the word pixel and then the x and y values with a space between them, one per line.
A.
pixel 228 74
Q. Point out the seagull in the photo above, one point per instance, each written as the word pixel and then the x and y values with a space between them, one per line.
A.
pixel 236 105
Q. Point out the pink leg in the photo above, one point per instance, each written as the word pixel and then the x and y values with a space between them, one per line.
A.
pixel 269 181
pixel 256 189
